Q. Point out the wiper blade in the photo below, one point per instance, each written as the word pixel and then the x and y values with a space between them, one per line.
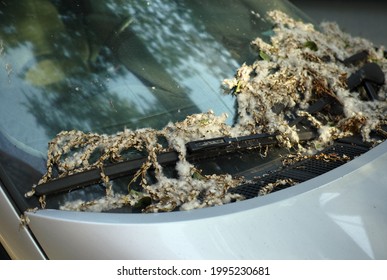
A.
pixel 226 144
pixel 255 140
pixel 93 176
pixel 196 150
pixel 230 142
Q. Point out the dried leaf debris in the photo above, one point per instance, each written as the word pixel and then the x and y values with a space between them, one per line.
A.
pixel 298 67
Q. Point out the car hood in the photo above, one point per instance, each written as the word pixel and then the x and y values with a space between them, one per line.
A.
pixel 338 215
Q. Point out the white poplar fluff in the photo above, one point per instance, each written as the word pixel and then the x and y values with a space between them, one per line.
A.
pixel 298 66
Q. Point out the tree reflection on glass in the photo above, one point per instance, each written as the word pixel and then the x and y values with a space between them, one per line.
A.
pixel 104 65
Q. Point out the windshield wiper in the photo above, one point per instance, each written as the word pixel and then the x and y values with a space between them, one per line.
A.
pixel 93 176
pixel 196 150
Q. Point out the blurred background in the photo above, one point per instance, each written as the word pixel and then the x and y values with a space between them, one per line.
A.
pixel 366 19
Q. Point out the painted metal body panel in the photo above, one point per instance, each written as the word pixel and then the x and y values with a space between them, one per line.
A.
pixel 16 239
pixel 338 215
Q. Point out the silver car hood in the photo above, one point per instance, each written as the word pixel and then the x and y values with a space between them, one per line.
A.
pixel 338 215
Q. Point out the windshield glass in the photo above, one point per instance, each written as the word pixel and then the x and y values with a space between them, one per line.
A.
pixel 105 66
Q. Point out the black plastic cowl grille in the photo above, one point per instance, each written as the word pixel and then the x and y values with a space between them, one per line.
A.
pixel 302 170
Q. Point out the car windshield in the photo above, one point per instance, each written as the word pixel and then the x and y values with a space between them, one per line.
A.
pixel 105 66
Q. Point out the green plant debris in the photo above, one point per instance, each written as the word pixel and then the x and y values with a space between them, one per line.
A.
pixel 311 45
pixel 264 55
